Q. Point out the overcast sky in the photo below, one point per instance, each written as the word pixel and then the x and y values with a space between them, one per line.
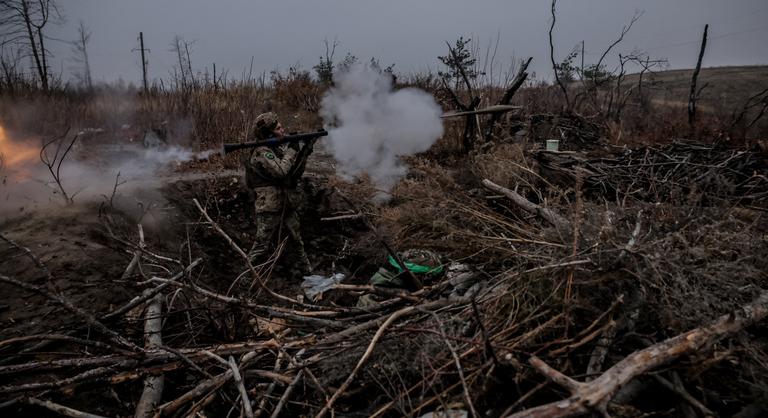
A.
pixel 410 34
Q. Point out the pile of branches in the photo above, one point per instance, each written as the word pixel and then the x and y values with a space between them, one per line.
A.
pixel 681 172
pixel 574 295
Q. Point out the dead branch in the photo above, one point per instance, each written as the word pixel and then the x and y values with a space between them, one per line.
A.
pixel 522 75
pixel 368 351
pixel 201 389
pixel 286 395
pixel 90 319
pixel 272 385
pixel 35 259
pixel 552 58
pixel 596 394
pixel 138 300
pixel 136 255
pixel 356 329
pixel 547 214
pixel 457 362
pixel 680 391
pixel 247 410
pixel 61 409
pixel 693 96
pixel 153 385
pixel 256 276
pixel 272 311
pixel 53 162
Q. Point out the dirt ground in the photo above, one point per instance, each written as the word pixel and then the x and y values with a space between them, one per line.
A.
pixel 693 261
pixel 82 247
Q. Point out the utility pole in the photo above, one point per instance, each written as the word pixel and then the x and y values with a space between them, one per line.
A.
pixel 143 61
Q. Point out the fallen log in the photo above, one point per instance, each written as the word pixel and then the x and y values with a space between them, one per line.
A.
pixel 153 384
pixel 595 395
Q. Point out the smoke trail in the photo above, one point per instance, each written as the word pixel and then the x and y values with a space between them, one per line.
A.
pixel 370 126
pixel 27 185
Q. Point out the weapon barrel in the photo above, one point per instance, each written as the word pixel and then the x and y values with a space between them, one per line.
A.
pixel 273 142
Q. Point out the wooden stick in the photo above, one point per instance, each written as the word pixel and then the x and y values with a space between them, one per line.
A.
pixel 151 293
pixel 680 391
pixel 271 387
pixel 202 388
pixel 61 409
pixel 343 217
pixel 280 313
pixel 149 357
pixel 283 399
pixel 90 319
pixel 247 410
pixel 548 215
pixel 596 394
pixel 392 318
pixel 356 329
pixel 136 256
pixel 256 276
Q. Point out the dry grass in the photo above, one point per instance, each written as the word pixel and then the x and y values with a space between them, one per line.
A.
pixel 545 290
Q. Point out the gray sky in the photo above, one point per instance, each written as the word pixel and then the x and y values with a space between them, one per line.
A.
pixel 410 34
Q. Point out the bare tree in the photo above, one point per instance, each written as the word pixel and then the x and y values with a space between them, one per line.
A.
pixel 52 154
pixel 324 68
pixel 23 23
pixel 12 77
pixel 80 50
pixel 184 76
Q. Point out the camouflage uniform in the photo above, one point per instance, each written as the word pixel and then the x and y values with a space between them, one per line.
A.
pixel 273 173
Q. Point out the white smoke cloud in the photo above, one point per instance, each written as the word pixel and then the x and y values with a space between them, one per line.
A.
pixel 370 126
pixel 31 186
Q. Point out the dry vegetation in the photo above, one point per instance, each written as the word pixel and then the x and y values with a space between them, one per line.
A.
pixel 629 271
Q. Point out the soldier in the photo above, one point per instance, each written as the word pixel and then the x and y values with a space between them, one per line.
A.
pixel 273 174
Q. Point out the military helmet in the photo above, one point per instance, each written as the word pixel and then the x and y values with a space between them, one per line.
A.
pixel 419 261
pixel 265 125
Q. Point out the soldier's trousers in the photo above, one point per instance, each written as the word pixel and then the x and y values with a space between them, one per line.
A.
pixel 277 218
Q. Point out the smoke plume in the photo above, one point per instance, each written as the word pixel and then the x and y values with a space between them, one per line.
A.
pixel 370 126
pixel 87 174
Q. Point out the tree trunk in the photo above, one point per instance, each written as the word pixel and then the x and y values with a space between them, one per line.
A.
pixel 692 97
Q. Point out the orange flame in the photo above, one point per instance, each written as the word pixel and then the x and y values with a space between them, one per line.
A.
pixel 14 155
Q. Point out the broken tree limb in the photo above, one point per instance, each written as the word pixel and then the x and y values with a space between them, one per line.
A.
pixel 199 390
pixel 153 384
pixel 247 410
pixel 151 293
pixel 595 395
pixel 90 319
pixel 136 256
pixel 256 276
pixel 548 215
pixel 61 409
pixel 678 389
pixel 522 75
pixel 368 351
